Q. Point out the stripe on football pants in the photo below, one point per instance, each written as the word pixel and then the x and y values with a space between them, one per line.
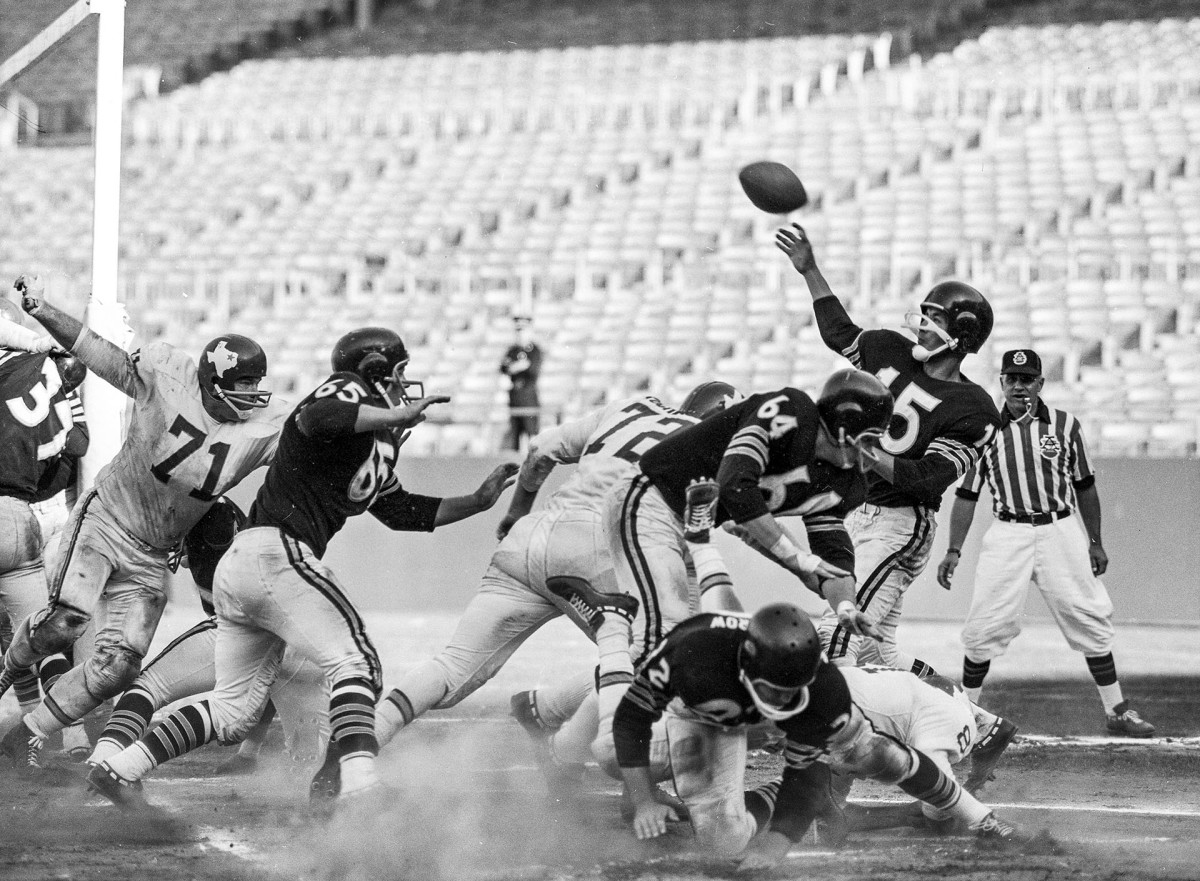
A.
pixel 640 567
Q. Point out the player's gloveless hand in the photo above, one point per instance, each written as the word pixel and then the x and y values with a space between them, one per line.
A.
pixel 494 485
pixel 945 570
pixel 32 290
pixel 651 817
pixel 797 247
pixel 858 624
pixel 1098 558
pixel 413 414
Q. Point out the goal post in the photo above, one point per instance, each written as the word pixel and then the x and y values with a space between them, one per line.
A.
pixel 104 405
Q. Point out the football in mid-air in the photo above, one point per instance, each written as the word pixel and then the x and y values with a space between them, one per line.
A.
pixel 773 187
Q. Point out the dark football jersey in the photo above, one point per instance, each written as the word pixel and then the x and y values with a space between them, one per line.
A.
pixel 761 451
pixel 320 479
pixel 694 670
pixel 939 426
pixel 35 418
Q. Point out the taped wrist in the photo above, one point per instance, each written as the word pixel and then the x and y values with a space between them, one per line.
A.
pixel 846 609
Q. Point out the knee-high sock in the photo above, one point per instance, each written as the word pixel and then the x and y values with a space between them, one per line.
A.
pixel 67 701
pixel 419 691
pixel 572 743
pixel 928 783
pixel 128 722
pixel 559 701
pixel 187 728
pixel 352 727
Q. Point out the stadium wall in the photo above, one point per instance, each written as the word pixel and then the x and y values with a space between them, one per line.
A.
pixel 1151 522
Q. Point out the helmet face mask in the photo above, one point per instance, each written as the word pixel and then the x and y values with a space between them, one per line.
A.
pixel 378 357
pixel 966 320
pixel 230 370
pixel 855 409
pixel 779 659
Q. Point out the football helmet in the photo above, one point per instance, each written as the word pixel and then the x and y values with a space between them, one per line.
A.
pixel 709 398
pixel 855 409
pixel 207 541
pixel 779 659
pixel 71 370
pixel 968 317
pixel 226 360
pixel 378 356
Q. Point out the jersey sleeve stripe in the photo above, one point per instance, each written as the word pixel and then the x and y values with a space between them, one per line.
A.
pixel 852 353
pixel 751 442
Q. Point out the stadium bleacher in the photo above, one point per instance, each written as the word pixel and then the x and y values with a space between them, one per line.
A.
pixel 1056 166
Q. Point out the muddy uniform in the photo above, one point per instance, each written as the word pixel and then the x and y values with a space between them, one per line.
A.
pixel 937 431
pixel 564 538
pixel 175 461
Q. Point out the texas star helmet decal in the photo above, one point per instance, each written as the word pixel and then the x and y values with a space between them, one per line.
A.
pixel 222 358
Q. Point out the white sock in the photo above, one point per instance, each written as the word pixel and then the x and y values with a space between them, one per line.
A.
pixel 104 750
pixel 388 721
pixel 132 763
pixel 969 809
pixel 358 773
pixel 559 701
pixel 572 743
pixel 1110 696
pixel 973 693
pixel 75 737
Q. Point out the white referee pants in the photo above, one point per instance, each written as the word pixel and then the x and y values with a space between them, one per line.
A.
pixel 1055 558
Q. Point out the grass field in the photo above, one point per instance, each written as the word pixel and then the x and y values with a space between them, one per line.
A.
pixel 467 802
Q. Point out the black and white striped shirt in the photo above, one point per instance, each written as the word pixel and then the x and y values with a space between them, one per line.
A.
pixel 1032 467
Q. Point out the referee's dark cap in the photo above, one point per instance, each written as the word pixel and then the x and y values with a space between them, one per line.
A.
pixel 1024 361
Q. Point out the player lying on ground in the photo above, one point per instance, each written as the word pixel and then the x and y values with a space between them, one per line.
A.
pixel 774 454
pixel 522 588
pixel 337 459
pixel 195 431
pixel 716 674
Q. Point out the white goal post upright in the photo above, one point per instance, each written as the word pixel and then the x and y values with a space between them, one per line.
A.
pixel 105 316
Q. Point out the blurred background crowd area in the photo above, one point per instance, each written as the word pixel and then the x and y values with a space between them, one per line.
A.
pixel 296 168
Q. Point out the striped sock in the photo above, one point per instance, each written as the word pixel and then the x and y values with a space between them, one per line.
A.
pixel 760 802
pixel 392 715
pixel 130 718
pixel 974 672
pixel 352 717
pixel 1103 669
pixel 922 670
pixel 188 728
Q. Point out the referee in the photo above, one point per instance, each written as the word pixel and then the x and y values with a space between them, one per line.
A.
pixel 1038 472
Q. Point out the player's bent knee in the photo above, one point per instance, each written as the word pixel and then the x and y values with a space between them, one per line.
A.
pixel 722 828
pixel 887 762
pixel 110 670
pixel 54 629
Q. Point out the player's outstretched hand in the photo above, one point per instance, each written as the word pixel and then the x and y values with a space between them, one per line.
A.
pixel 32 290
pixel 413 414
pixel 945 570
pixel 764 852
pixel 797 247
pixel 650 819
pixel 494 485
pixel 824 570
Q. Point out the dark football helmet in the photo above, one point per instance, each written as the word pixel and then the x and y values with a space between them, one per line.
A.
pixel 71 370
pixel 207 541
pixel 378 356
pixel 224 361
pixel 968 317
pixel 709 398
pixel 854 406
pixel 779 659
